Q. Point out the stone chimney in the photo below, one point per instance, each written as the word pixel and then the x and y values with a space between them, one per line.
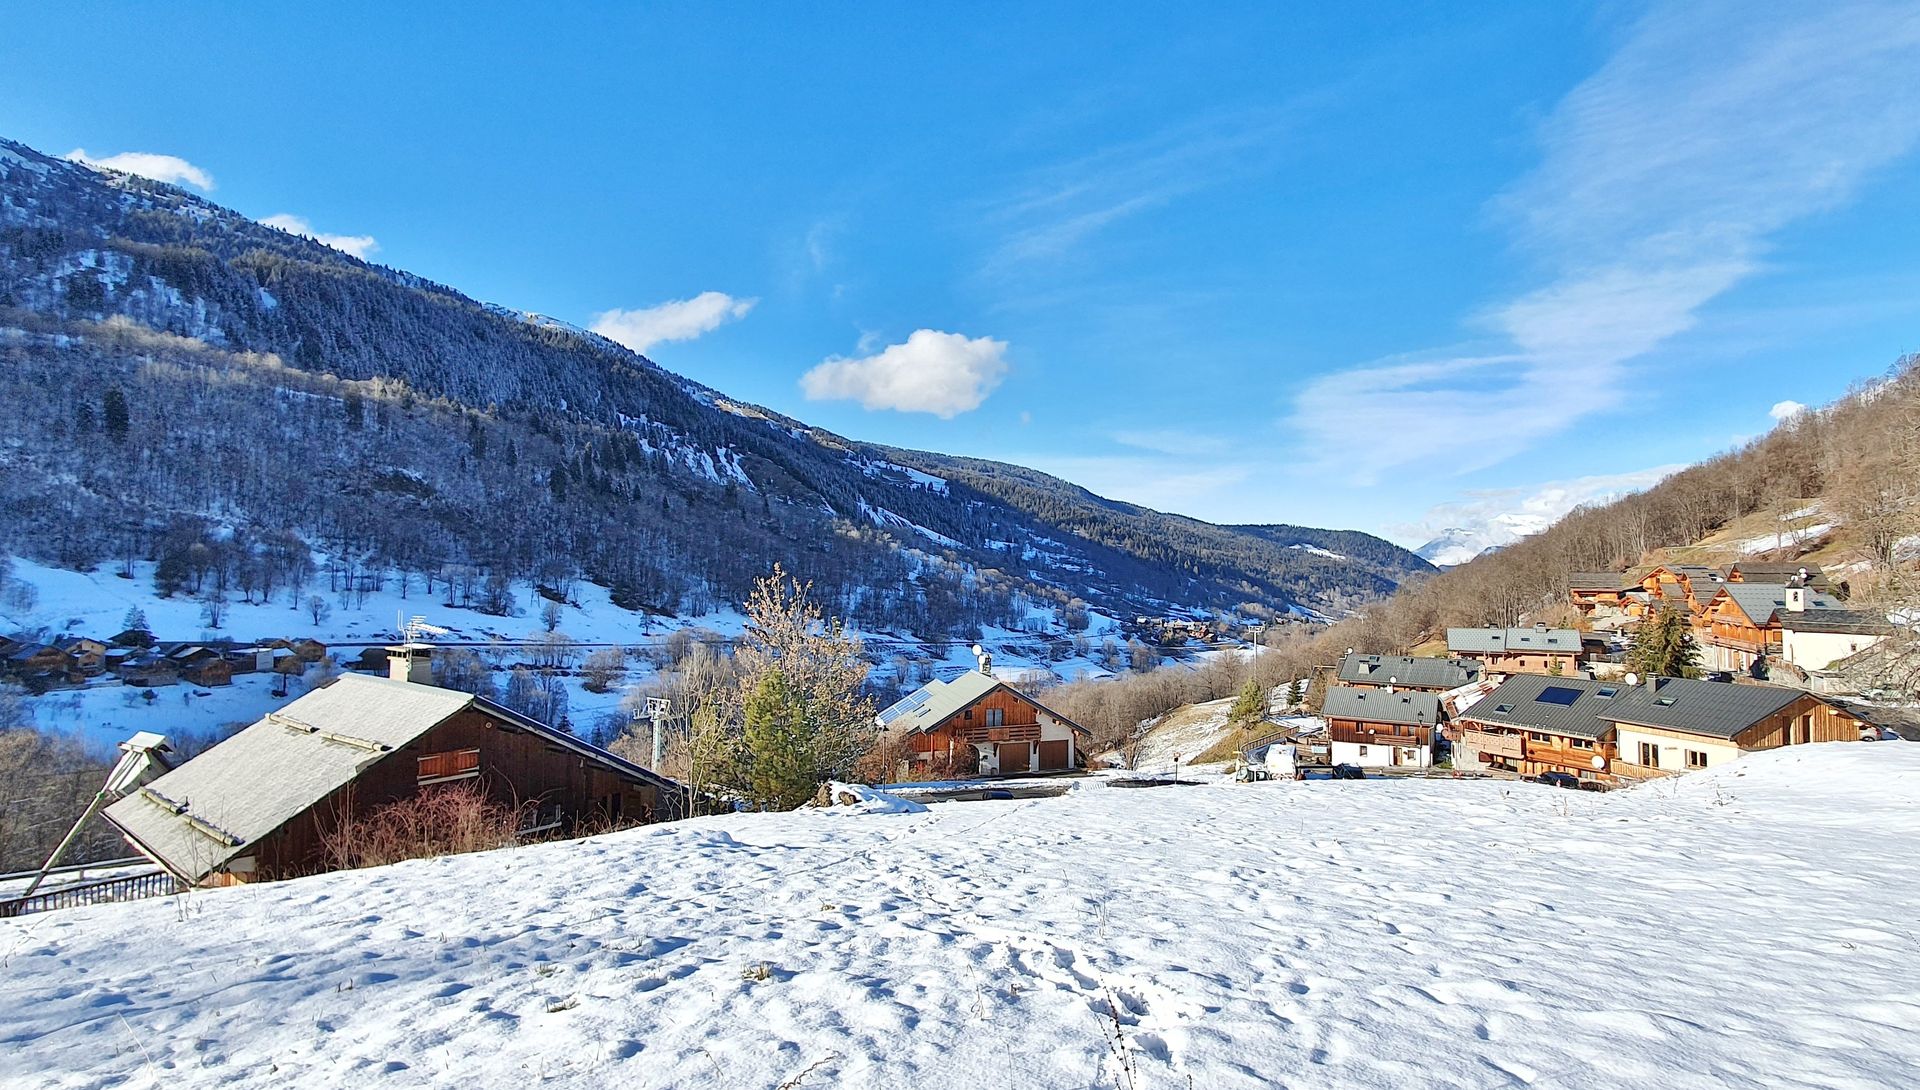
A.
pixel 411 662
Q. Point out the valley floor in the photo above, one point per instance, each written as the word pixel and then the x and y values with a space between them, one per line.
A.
pixel 1747 927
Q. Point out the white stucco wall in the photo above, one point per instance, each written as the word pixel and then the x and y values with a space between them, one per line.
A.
pixel 1379 756
pixel 1815 650
pixel 1673 757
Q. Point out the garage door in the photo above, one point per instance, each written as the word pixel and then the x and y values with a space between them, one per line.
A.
pixel 1015 757
pixel 1053 755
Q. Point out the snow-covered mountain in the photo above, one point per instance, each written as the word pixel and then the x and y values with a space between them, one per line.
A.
pixel 1458 544
pixel 286 387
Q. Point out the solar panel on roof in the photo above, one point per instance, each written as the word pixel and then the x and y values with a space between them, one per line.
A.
pixel 1558 694
pixel 910 703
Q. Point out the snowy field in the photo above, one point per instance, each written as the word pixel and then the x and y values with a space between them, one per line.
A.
pixel 1747 927
pixel 102 715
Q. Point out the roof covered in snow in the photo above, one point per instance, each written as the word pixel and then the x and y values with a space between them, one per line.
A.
pixel 213 809
pixel 933 703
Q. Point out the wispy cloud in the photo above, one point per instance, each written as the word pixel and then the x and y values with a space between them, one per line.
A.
pixel 1664 176
pixel 680 320
pixel 945 374
pixel 1172 441
pixel 360 246
pixel 161 168
pixel 1056 210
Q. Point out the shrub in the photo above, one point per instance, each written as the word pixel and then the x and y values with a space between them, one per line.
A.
pixel 442 820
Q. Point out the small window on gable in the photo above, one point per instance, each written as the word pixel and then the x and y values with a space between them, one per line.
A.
pixel 968 714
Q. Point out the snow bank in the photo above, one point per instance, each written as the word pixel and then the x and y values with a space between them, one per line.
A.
pixel 1745 927
pixel 856 798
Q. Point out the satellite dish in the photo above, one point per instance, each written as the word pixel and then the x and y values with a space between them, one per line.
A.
pixel 978 650
pixel 1599 762
pixel 1633 679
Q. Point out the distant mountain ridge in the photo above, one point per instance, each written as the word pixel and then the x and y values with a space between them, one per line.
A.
pixel 276 384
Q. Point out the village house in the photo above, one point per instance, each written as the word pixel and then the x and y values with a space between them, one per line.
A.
pixel 1435 675
pixel 1536 650
pixel 977 723
pixel 39 665
pixel 1782 572
pixel 265 803
pixel 1589 591
pixel 1381 728
pixel 1742 622
pixel 89 655
pixel 1608 731
pixel 146 670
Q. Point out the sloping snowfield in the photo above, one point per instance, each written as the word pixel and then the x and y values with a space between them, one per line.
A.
pixel 1749 927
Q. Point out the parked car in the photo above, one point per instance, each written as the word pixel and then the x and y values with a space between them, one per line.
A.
pixel 1721 676
pixel 1348 772
pixel 1560 779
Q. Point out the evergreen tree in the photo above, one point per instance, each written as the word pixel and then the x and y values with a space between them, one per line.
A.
pixel 1251 704
pixel 1664 646
pixel 780 773
pixel 135 621
pixel 113 410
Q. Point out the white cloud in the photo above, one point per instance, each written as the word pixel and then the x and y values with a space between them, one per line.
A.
pixel 1783 409
pixel 680 320
pixel 945 374
pixel 161 168
pixel 360 246
pixel 1663 177
pixel 1497 516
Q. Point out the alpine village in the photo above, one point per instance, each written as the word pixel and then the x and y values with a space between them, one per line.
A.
pixel 401 689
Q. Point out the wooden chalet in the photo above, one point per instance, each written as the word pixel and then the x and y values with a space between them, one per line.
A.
pixel 38 660
pixel 263 804
pixel 1536 650
pixel 1686 587
pixel 89 655
pixel 1742 622
pixel 208 672
pixel 1613 731
pixel 147 670
pixel 1381 728
pixel 1434 675
pixel 1589 591
pixel 977 723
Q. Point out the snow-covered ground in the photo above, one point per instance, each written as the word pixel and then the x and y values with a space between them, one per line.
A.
pixel 1746 927
pixel 96 603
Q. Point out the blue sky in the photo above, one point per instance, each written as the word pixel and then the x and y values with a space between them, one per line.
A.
pixel 1393 270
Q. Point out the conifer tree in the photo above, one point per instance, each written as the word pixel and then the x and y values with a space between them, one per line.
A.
pixel 1664 646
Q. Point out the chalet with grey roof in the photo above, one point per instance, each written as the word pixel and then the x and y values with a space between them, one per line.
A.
pixel 1381 728
pixel 1619 730
pixel 1536 650
pixel 978 724
pixel 1407 672
pixel 265 803
pixel 1742 622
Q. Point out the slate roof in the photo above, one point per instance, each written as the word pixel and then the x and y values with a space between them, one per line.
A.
pixel 1493 640
pixel 1414 673
pixel 213 809
pixel 1760 601
pixel 932 703
pixel 1379 706
pixel 1857 621
pixel 1601 580
pixel 1580 708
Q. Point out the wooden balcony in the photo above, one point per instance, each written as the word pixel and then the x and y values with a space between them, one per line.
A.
pixel 453 765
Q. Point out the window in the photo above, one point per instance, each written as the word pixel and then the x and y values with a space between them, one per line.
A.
pixel 968 714
pixel 1542 737
pixel 1363 751
pixel 1558 694
pixel 1582 743
pixel 457 764
pixel 1607 693
pixel 1696 758
pixel 996 717
pixel 1650 754
pixel 1503 707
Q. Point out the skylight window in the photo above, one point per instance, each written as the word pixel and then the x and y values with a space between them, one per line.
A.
pixel 1665 701
pixel 1503 707
pixel 1607 693
pixel 1558 694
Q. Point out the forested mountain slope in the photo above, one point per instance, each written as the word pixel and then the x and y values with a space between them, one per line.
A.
pixel 189 385
pixel 1845 478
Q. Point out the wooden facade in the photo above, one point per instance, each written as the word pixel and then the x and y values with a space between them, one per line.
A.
pixel 1002 732
pixel 556 790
